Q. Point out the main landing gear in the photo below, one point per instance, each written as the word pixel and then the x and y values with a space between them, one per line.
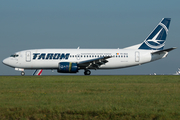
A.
pixel 87 72
pixel 22 73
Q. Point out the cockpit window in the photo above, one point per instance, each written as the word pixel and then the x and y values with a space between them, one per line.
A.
pixel 15 55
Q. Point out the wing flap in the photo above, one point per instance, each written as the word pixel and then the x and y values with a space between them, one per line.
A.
pixel 93 63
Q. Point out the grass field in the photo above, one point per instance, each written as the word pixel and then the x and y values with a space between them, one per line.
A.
pixel 90 97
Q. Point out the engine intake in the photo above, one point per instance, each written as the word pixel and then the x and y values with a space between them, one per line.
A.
pixel 67 67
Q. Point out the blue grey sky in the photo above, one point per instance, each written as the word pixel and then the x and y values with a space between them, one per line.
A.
pixel 89 24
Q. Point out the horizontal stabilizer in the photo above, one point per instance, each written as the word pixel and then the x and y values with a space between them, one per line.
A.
pixel 165 50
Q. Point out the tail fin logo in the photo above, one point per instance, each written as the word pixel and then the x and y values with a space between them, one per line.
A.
pixel 156 39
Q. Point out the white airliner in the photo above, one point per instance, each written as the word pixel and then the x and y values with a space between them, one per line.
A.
pixel 73 60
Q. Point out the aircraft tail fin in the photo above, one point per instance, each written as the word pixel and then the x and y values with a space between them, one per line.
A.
pixel 156 39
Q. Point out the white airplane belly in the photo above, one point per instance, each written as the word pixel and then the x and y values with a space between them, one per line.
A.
pixel 48 64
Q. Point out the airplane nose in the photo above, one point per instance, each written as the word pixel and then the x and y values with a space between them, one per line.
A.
pixel 9 62
pixel 5 61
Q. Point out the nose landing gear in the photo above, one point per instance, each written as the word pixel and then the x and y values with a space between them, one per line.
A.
pixel 87 72
pixel 22 71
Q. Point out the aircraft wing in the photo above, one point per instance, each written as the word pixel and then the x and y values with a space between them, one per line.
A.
pixel 93 63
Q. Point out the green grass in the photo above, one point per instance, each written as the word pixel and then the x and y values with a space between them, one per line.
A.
pixel 90 97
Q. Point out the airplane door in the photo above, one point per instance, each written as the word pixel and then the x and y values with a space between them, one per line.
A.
pixel 137 56
pixel 28 56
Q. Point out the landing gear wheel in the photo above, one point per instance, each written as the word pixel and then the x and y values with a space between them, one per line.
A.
pixel 22 73
pixel 87 72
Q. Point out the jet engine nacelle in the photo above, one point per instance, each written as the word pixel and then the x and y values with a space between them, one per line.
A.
pixel 67 67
